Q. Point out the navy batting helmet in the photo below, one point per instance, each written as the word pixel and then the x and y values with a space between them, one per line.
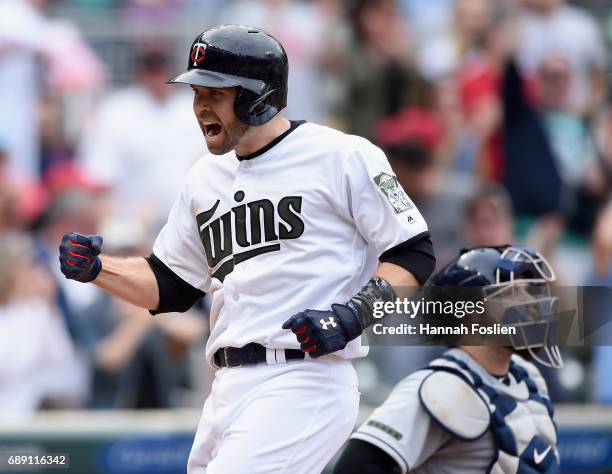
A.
pixel 245 57
pixel 517 280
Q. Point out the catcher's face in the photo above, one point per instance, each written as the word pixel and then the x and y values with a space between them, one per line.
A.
pixel 214 110
pixel 518 294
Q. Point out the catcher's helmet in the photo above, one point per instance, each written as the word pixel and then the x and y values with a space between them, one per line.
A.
pixel 243 56
pixel 500 271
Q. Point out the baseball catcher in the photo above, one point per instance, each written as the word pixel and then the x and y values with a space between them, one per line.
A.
pixel 475 409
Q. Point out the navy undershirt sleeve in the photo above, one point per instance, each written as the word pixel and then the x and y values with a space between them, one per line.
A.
pixel 175 294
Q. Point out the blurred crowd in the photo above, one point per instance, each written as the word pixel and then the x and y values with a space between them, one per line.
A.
pixel 496 116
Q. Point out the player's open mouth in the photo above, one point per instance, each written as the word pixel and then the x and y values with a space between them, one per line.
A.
pixel 211 130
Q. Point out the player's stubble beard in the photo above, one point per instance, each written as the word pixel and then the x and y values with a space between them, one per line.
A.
pixel 231 135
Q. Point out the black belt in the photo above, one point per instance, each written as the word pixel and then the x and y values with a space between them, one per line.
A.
pixel 250 354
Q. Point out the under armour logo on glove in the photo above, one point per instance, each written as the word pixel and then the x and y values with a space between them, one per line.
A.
pixel 79 256
pixel 331 322
pixel 324 332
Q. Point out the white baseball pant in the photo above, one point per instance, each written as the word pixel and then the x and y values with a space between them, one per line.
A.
pixel 288 418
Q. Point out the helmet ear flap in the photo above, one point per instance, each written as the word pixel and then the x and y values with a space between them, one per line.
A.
pixel 259 106
pixel 254 109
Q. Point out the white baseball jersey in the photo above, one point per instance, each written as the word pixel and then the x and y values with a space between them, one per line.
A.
pixel 442 425
pixel 298 225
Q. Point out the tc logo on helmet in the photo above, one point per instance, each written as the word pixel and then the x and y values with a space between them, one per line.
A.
pixel 198 51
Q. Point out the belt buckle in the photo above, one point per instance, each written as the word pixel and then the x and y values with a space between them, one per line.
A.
pixel 226 359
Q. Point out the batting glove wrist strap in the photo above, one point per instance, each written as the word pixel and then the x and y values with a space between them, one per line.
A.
pixel 79 256
pixel 362 304
pixel 348 320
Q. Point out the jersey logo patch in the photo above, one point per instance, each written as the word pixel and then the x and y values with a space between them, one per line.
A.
pixel 394 193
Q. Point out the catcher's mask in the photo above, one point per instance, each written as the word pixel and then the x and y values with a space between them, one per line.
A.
pixel 516 287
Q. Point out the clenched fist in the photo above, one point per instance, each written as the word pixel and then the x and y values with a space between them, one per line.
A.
pixel 79 256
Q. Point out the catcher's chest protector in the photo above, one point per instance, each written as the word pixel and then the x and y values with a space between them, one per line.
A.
pixel 520 416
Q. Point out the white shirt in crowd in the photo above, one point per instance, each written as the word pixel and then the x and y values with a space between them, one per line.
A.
pixel 143 149
pixel 570 32
pixel 38 359
pixel 22 33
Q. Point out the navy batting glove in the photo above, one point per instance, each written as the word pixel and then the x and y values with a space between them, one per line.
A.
pixel 323 332
pixel 79 256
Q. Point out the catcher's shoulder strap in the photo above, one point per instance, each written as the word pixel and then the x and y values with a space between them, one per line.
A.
pixel 538 392
pixel 449 396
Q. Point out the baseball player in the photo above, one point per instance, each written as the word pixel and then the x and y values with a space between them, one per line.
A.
pixel 294 230
pixel 475 409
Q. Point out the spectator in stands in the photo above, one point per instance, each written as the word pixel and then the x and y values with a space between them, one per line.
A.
pixel 480 31
pixel 54 151
pixel 378 65
pixel 601 275
pixel 37 54
pixel 144 138
pixel 38 363
pixel 447 32
pixel 21 200
pixel 606 132
pixel 473 20
pixel 552 27
pixel 7 193
pixel 22 27
pixel 602 248
pixel 599 177
pixel 547 144
pixel 488 218
pixel 431 26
